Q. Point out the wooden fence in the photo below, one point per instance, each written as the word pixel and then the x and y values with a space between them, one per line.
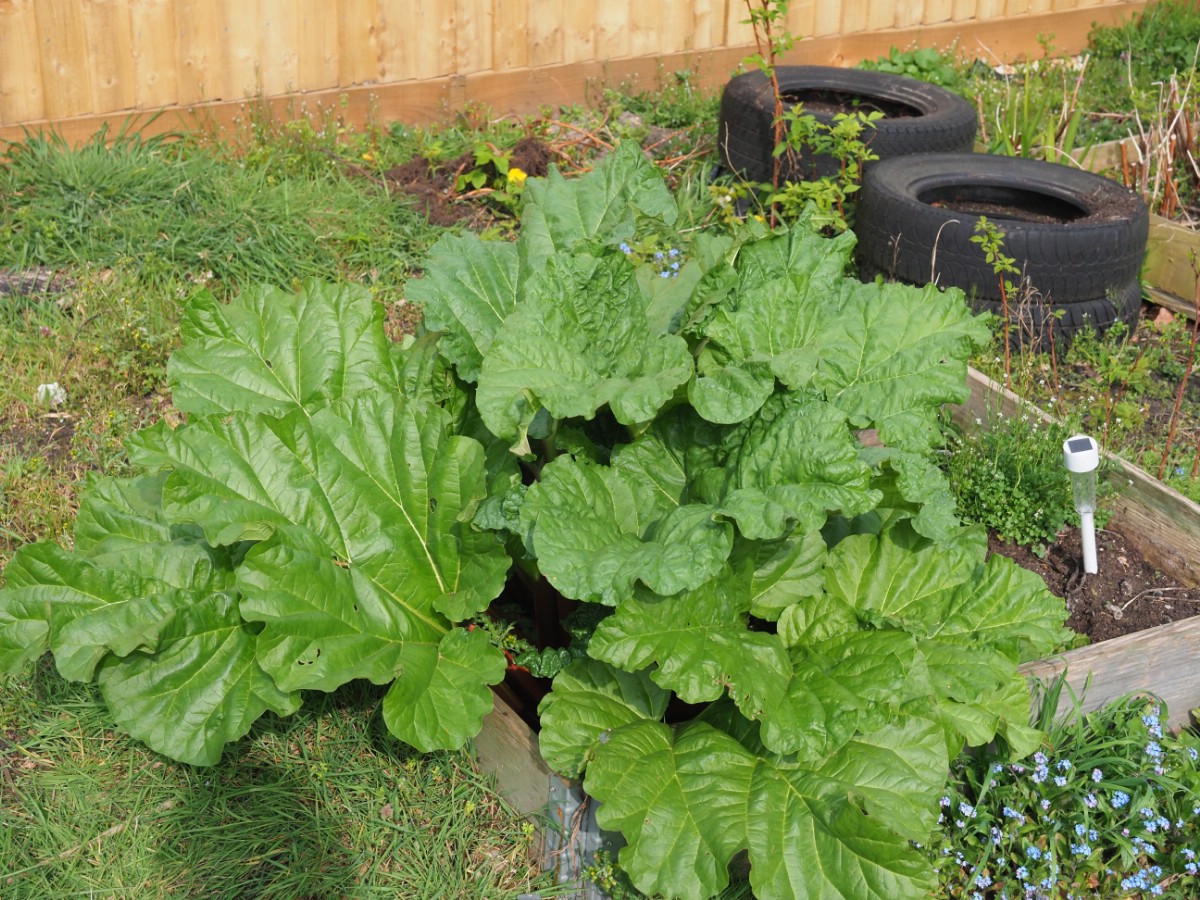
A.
pixel 80 62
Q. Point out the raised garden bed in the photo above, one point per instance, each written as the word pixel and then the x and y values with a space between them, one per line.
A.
pixel 1164 527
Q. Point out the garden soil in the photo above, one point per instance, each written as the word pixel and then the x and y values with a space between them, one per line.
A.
pixel 1126 595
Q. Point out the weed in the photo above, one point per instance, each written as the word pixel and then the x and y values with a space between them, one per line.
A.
pixel 940 67
pixel 1010 478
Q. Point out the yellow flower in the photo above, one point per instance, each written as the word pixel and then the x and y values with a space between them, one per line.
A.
pixel 516 176
pixel 369 156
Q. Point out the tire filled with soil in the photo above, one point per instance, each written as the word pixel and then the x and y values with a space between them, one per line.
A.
pixel 1077 238
pixel 917 118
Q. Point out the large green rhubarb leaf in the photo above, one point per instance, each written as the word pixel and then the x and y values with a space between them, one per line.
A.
pixel 700 645
pixel 590 698
pixel 690 798
pixel 469 288
pixel 793 463
pixel 158 626
pixel 579 341
pixel 372 554
pixel 272 351
pixel 597 531
pixel 200 689
pixel 787 288
pixel 892 355
pixel 601 206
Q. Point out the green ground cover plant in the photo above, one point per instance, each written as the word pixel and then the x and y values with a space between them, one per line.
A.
pixel 338 508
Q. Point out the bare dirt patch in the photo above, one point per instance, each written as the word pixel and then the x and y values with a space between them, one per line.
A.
pixel 1126 595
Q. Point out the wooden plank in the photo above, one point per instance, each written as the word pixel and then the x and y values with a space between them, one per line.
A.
pixel 359 52
pixel 545 32
pixel 828 20
pixel 1161 661
pixel 472 37
pixel 645 23
pixel 854 17
pixel 708 24
pixel 1170 252
pixel 243 75
pixel 507 749
pixel 62 55
pixel 578 27
pixel 278 38
pixel 154 53
pixel 964 10
pixel 737 22
pixel 802 18
pixel 317 44
pixel 988 10
pixel 200 51
pixel 510 41
pixel 22 97
pixel 881 14
pixel 109 42
pixel 1160 522
pixel 674 26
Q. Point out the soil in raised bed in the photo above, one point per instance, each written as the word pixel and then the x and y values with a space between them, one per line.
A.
pixel 1126 595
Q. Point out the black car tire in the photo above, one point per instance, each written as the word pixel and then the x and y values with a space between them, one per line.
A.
pixel 918 117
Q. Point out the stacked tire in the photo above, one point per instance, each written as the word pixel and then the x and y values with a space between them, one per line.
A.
pixel 918 117
pixel 1077 238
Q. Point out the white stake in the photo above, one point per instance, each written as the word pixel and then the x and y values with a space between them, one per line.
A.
pixel 1081 455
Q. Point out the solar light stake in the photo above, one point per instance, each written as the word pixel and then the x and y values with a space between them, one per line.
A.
pixel 1081 455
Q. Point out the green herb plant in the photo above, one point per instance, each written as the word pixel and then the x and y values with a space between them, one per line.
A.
pixel 1107 807
pixel 1010 478
pixel 679 454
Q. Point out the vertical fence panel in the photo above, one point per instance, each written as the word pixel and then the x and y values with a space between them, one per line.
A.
pixel 708 25
pixel 611 21
pixel 645 20
pixel 828 20
pixel 674 26
pixel 67 58
pixel 317 44
pixel 243 71
pixel 510 40
pixel 854 17
pixel 62 58
pixel 474 24
pixel 358 42
pixel 156 76
pixel 201 72
pixel 109 42
pixel 578 28
pixel 278 43
pixel 737 29
pixel 545 32
pixel 22 98
pixel 963 9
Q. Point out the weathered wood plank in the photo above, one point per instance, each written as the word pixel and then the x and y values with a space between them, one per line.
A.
pixel 1161 661
pixel 1171 251
pixel 507 748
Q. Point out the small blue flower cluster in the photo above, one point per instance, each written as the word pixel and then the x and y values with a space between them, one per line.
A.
pixel 667 263
pixel 1095 823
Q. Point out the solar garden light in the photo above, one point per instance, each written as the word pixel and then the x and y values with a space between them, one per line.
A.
pixel 1081 455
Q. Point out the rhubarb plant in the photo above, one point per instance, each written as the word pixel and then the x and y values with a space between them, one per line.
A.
pixel 682 456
